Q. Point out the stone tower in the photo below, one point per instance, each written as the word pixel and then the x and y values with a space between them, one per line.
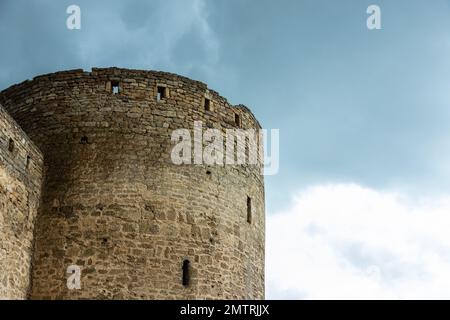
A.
pixel 21 165
pixel 113 202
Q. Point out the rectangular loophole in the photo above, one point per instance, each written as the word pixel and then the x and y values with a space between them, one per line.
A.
pixel 115 88
pixel 207 104
pixel 186 273
pixel 28 162
pixel 11 145
pixel 249 210
pixel 161 93
pixel 237 120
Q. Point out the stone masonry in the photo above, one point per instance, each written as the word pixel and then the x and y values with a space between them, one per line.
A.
pixel 21 165
pixel 113 202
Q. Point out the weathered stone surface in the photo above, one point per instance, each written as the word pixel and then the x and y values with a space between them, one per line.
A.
pixel 21 167
pixel 113 202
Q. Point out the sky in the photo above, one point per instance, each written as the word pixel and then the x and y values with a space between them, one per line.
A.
pixel 358 208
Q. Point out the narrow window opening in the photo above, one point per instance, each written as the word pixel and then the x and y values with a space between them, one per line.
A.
pixel 161 93
pixel 207 104
pixel 237 119
pixel 11 145
pixel 249 210
pixel 247 149
pixel 28 162
pixel 186 273
pixel 84 140
pixel 235 150
pixel 115 87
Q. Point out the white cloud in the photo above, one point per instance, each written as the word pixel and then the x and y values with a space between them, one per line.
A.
pixel 344 241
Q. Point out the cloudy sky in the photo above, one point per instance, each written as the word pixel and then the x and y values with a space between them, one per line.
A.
pixel 361 205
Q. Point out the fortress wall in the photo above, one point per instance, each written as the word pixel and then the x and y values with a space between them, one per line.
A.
pixel 114 203
pixel 21 165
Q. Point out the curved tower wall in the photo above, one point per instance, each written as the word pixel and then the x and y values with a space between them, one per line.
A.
pixel 21 174
pixel 115 204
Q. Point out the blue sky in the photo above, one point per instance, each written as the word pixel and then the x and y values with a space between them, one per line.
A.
pixel 354 107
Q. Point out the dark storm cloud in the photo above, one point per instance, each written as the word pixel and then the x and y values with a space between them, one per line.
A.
pixel 137 34
pixel 33 40
pixel 352 104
